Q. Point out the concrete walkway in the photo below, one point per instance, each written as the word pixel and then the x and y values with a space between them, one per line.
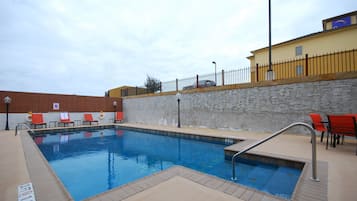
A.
pixel 13 169
pixel 342 166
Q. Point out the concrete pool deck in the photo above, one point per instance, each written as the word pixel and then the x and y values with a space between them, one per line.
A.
pixel 341 181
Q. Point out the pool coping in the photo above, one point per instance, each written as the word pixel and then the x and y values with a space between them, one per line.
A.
pixel 47 185
pixel 305 189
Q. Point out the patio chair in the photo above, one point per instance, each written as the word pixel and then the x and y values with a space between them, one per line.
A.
pixel 88 118
pixel 318 124
pixel 37 120
pixel 119 116
pixel 352 115
pixel 64 119
pixel 341 125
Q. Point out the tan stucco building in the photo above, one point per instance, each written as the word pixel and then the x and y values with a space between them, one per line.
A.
pixel 339 34
pixel 126 91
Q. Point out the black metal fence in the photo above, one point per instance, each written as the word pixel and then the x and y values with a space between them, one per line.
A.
pixel 344 61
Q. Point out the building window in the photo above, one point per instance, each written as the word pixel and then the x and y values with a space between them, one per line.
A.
pixel 298 51
pixel 299 70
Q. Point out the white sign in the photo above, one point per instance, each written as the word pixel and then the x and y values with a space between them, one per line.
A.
pixel 25 192
pixel 55 106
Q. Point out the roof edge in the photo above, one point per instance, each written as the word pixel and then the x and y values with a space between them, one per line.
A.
pixel 307 36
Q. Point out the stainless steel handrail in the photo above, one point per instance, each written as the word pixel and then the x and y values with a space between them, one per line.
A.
pixel 23 124
pixel 313 142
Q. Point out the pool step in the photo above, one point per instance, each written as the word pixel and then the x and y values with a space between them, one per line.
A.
pixel 258 176
pixel 284 179
pixel 239 146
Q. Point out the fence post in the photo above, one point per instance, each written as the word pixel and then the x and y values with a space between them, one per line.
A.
pixel 160 87
pixel 197 81
pixel 222 77
pixel 136 90
pixel 176 84
pixel 306 64
pixel 257 72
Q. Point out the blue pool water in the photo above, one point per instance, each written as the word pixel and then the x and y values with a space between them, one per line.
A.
pixel 91 162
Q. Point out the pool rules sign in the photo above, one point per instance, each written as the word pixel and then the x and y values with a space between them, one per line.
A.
pixel 25 192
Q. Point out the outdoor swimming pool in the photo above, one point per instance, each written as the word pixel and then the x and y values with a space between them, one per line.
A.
pixel 91 162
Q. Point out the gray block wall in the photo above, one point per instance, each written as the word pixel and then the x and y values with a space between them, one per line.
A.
pixel 265 109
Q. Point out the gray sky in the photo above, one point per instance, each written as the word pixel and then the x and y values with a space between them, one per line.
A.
pixel 86 47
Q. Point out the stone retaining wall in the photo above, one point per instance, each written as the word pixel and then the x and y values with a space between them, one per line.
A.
pixel 264 108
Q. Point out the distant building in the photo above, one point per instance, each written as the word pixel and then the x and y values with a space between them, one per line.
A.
pixel 339 35
pixel 126 91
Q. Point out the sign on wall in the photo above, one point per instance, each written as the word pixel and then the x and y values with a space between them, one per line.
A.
pixel 342 22
pixel 56 106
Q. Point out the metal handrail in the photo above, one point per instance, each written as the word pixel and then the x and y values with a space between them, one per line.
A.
pixel 313 142
pixel 23 124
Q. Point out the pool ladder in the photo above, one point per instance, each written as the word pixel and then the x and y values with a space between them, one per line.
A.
pixel 23 124
pixel 313 142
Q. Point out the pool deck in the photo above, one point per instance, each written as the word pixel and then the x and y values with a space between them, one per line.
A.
pixel 19 165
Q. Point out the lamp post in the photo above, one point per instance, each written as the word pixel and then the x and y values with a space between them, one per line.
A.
pixel 178 96
pixel 270 75
pixel 115 109
pixel 215 71
pixel 7 101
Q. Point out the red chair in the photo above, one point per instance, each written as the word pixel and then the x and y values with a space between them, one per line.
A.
pixel 341 125
pixel 119 116
pixel 89 118
pixel 37 120
pixel 352 115
pixel 318 124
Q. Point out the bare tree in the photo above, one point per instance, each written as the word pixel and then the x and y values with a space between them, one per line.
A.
pixel 152 84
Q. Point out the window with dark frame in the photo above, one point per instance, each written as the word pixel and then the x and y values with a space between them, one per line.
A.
pixel 298 50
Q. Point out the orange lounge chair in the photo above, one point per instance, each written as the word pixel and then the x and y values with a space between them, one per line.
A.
pixel 318 124
pixel 37 120
pixel 119 116
pixel 89 118
pixel 64 119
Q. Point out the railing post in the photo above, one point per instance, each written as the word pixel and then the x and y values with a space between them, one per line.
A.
pixel 197 81
pixel 313 160
pixel 313 142
pixel 22 124
pixel 306 65
pixel 176 84
pixel 222 77
pixel 257 72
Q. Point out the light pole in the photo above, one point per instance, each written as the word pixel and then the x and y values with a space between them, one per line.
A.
pixel 215 71
pixel 7 101
pixel 270 75
pixel 178 96
pixel 115 109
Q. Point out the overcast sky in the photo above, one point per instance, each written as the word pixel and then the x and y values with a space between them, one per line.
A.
pixel 86 47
